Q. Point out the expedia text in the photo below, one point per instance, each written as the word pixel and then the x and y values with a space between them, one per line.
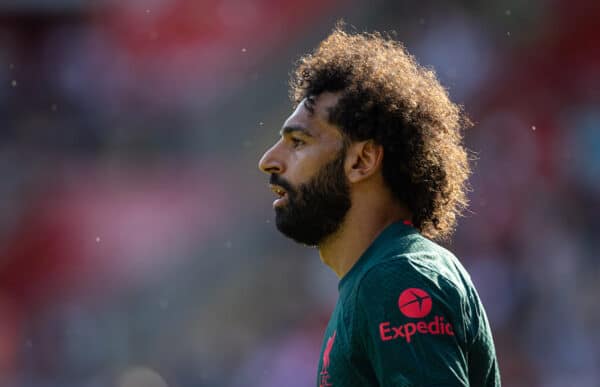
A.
pixel 437 326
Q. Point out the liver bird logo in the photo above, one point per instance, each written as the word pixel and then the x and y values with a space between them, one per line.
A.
pixel 327 351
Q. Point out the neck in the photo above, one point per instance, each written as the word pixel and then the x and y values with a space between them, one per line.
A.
pixel 358 231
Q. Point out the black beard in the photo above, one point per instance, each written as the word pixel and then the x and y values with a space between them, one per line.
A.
pixel 316 209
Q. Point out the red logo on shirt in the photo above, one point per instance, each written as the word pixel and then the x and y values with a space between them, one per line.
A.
pixel 324 375
pixel 414 303
pixel 437 326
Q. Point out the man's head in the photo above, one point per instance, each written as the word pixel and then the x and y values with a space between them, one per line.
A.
pixel 307 171
pixel 364 96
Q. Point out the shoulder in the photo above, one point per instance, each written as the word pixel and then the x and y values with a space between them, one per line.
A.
pixel 412 287
pixel 399 272
pixel 416 259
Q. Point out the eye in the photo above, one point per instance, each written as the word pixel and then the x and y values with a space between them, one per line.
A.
pixel 296 142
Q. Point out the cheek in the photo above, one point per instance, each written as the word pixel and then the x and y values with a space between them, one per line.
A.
pixel 305 163
pixel 301 167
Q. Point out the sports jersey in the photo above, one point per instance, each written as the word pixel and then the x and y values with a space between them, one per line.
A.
pixel 407 315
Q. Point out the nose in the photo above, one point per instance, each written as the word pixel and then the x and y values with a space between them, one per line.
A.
pixel 270 162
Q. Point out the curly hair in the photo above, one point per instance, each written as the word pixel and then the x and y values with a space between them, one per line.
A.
pixel 386 96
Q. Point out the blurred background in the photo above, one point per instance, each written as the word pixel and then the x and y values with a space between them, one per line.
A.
pixel 137 240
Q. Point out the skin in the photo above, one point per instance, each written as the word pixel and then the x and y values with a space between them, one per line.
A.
pixel 307 142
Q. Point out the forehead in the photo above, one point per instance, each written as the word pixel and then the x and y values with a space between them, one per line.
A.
pixel 316 121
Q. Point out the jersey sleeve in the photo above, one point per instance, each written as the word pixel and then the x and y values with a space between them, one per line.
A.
pixel 411 322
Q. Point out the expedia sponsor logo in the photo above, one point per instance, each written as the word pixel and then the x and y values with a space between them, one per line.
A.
pixel 406 331
pixel 415 303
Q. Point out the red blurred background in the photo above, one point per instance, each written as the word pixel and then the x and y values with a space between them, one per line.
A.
pixel 137 243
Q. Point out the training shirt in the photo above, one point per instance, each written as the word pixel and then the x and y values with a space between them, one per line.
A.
pixel 407 315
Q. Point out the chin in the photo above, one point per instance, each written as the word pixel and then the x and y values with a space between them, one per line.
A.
pixel 300 234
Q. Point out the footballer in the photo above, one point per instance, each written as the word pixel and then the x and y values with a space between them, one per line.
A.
pixel 371 168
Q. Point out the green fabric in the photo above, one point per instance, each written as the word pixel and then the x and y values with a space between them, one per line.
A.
pixel 407 315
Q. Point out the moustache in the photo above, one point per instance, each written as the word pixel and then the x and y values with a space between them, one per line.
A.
pixel 277 180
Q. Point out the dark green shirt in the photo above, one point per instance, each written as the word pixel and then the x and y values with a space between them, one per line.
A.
pixel 407 315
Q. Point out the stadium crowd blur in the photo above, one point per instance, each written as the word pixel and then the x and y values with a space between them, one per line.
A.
pixel 137 243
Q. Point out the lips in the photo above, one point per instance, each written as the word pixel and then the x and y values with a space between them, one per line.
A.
pixel 281 193
pixel 277 190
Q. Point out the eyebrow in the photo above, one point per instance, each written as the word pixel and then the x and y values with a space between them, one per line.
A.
pixel 295 128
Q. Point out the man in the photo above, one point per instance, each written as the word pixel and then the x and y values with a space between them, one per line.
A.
pixel 369 168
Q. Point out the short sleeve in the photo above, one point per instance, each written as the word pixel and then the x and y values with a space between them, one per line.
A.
pixel 411 324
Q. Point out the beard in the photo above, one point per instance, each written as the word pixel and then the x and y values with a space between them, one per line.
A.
pixel 316 209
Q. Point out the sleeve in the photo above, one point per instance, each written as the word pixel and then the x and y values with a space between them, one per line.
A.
pixel 411 324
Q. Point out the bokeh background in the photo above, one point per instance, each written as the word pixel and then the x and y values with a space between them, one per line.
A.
pixel 137 247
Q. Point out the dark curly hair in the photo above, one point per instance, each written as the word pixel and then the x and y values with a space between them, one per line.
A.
pixel 386 96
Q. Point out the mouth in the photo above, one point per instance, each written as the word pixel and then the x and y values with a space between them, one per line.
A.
pixel 281 193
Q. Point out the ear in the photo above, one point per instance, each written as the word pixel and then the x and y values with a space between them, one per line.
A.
pixel 364 159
